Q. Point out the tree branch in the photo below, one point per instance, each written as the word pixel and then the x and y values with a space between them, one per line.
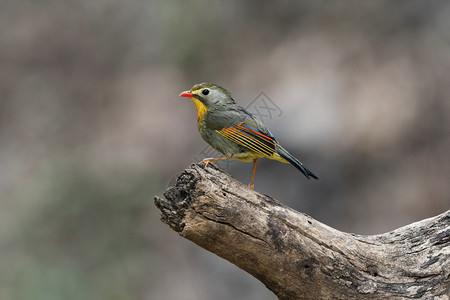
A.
pixel 298 257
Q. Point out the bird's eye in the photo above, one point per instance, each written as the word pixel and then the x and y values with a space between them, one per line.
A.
pixel 205 92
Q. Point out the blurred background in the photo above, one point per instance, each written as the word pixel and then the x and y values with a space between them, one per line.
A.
pixel 92 128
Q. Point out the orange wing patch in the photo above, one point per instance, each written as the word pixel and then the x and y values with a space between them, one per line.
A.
pixel 250 138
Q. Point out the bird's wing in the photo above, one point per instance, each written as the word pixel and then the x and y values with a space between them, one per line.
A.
pixel 248 132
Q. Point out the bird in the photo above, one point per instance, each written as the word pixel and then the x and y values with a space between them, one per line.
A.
pixel 234 131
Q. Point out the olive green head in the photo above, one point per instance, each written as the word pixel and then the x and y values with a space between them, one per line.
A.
pixel 209 94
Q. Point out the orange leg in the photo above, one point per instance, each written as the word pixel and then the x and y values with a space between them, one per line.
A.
pixel 251 185
pixel 207 160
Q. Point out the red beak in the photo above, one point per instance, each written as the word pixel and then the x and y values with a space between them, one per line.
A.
pixel 186 94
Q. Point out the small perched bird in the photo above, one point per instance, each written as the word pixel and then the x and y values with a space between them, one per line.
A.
pixel 233 131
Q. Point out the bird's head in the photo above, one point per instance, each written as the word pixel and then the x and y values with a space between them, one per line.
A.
pixel 208 94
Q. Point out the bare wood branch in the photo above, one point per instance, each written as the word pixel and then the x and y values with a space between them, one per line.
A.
pixel 298 257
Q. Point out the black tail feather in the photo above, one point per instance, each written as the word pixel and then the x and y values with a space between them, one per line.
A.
pixel 295 162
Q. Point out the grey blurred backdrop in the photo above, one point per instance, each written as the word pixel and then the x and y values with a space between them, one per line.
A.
pixel 91 128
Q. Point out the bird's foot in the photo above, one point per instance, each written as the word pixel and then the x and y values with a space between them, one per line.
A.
pixel 251 185
pixel 204 162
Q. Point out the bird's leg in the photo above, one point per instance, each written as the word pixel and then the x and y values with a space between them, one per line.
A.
pixel 251 185
pixel 207 160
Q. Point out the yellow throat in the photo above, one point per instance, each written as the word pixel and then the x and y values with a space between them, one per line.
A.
pixel 201 108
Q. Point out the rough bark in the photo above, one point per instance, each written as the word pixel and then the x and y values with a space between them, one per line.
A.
pixel 298 257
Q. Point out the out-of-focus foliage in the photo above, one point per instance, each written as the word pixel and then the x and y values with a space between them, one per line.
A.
pixel 91 128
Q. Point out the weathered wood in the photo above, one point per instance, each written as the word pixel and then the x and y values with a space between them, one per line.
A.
pixel 298 257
